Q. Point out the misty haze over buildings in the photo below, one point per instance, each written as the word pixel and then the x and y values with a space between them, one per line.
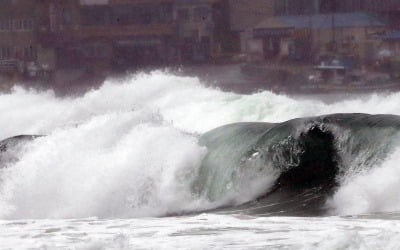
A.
pixel 68 42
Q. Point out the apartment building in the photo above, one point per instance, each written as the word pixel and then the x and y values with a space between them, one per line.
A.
pixel 19 43
pixel 111 35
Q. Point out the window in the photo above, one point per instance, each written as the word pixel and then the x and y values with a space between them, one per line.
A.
pixel 201 14
pixel 5 25
pixel 166 12
pixel 5 53
pixel 30 53
pixel 67 17
pixel 135 14
pixel 94 15
pixel 18 24
pixel 23 24
pixel 183 14
pixel 96 50
pixel 122 15
pixel 27 24
pixel 280 7
pixel 149 14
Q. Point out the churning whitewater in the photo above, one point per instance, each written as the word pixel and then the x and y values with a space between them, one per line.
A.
pixel 139 147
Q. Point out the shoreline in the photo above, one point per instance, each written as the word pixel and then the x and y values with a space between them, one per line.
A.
pixel 236 77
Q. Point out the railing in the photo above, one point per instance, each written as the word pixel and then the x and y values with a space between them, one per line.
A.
pixel 124 30
pixel 108 31
pixel 8 65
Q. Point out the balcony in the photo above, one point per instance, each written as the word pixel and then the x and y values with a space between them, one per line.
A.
pixel 82 32
pixel 8 65
pixel 112 31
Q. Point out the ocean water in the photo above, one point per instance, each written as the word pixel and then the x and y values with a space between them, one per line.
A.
pixel 116 169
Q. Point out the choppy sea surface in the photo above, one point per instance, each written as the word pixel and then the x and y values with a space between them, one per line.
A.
pixel 117 164
pixel 205 231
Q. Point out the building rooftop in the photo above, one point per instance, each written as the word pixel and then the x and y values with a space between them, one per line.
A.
pixel 392 36
pixel 320 21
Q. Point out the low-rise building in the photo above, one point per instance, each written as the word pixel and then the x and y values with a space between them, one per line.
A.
pixel 309 37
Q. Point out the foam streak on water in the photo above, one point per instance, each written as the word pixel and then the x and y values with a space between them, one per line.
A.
pixel 204 232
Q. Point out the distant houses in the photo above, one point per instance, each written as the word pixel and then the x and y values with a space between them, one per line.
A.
pixel 308 30
pixel 75 39
pixel 308 37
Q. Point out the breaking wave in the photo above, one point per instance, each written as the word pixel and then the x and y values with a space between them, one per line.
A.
pixel 134 148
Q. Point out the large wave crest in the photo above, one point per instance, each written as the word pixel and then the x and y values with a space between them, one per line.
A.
pixel 130 148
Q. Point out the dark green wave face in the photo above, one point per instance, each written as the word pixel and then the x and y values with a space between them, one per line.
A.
pixel 288 168
pixel 292 167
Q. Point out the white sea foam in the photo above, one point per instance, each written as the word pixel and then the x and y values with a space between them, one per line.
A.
pixel 117 164
pixel 130 148
pixel 373 190
pixel 205 231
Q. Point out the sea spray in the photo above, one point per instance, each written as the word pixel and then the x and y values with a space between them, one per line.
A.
pixel 119 164
pixel 130 148
pixel 370 191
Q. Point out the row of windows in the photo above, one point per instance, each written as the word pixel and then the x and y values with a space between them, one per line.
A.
pixel 17 25
pixel 198 14
pixel 26 53
pixel 127 14
pixel 5 52
pixel 295 7
pixel 95 51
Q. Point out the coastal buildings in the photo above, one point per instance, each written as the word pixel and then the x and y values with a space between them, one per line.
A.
pixel 77 37
pixel 19 43
pixel 307 30
pixel 72 40
pixel 309 37
pixel 110 35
